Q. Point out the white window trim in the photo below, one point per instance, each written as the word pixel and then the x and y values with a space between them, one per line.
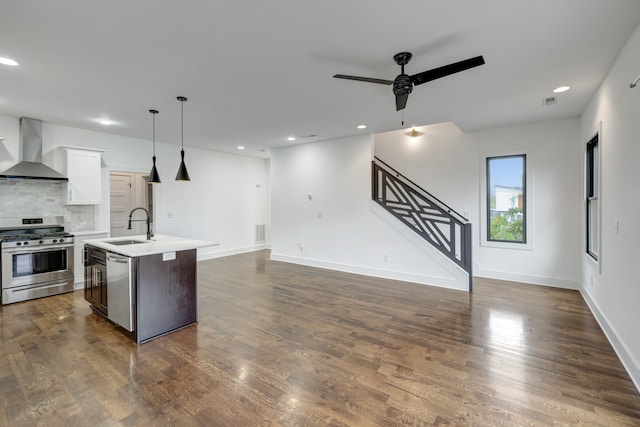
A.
pixel 529 169
pixel 595 263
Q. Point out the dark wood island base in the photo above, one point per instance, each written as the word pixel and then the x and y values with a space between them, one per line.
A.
pixel 166 294
pixel 163 292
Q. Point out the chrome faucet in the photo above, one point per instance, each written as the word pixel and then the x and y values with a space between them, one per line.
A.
pixel 148 220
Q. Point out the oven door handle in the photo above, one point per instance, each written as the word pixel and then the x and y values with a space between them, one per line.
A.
pixel 31 249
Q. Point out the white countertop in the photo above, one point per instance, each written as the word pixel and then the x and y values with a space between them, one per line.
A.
pixel 157 245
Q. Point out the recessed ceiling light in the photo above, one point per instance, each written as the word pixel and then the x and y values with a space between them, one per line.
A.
pixel 291 138
pixel 561 89
pixel 240 147
pixel 361 126
pixel 8 61
pixel 105 122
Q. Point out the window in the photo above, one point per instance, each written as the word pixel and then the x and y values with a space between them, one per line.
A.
pixel 592 186
pixel 506 199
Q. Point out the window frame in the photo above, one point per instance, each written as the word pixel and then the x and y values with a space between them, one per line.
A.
pixel 488 159
pixel 592 194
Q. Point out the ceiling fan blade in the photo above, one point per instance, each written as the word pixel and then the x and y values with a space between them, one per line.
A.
pixel 364 79
pixel 446 70
pixel 401 101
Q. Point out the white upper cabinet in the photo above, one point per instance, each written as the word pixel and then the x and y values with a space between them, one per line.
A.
pixel 83 168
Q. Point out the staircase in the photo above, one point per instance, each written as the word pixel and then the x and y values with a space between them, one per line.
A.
pixel 441 226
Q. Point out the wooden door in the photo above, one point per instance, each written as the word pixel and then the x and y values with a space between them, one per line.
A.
pixel 121 203
pixel 129 190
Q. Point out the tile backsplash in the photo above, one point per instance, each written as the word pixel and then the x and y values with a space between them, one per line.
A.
pixel 28 198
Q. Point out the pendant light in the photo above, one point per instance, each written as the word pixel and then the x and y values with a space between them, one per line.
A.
pixel 153 177
pixel 182 175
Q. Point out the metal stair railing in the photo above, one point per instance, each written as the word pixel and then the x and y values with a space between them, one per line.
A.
pixel 436 222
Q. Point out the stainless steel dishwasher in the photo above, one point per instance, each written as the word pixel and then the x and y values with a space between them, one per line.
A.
pixel 120 290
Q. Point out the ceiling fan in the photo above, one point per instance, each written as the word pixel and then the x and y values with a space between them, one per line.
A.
pixel 403 83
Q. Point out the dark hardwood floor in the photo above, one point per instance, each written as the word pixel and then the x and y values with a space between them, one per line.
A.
pixel 285 345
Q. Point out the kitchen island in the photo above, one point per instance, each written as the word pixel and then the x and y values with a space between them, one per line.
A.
pixel 146 287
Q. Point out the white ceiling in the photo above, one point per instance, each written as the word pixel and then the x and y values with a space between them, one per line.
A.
pixel 257 71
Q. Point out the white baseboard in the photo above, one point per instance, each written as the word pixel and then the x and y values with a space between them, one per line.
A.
pixel 442 282
pixel 626 357
pixel 210 252
pixel 554 282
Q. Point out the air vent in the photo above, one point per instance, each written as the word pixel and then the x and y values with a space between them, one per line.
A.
pixel 261 235
pixel 550 100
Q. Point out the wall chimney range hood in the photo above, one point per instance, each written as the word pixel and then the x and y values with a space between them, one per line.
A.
pixel 30 165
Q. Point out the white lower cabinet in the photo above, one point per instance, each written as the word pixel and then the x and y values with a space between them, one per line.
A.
pixel 78 253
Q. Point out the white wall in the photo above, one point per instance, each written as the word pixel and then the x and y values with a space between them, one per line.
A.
pixel 227 196
pixel 611 287
pixel 449 164
pixel 322 216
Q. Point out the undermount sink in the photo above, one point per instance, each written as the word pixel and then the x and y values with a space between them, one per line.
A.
pixel 124 242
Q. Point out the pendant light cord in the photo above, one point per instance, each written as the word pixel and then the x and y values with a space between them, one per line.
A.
pixel 182 99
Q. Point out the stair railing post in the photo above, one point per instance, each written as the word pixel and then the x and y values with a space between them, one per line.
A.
pixel 466 252
pixel 374 181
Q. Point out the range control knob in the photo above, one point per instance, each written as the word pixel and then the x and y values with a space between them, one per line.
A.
pixel 25 243
pixel 18 244
pixel 41 241
pixel 55 240
pixel 61 240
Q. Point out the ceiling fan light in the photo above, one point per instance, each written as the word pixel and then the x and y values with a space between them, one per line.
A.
pixel 414 133
pixel 403 83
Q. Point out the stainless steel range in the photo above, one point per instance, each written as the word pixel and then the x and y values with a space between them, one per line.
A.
pixel 36 258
